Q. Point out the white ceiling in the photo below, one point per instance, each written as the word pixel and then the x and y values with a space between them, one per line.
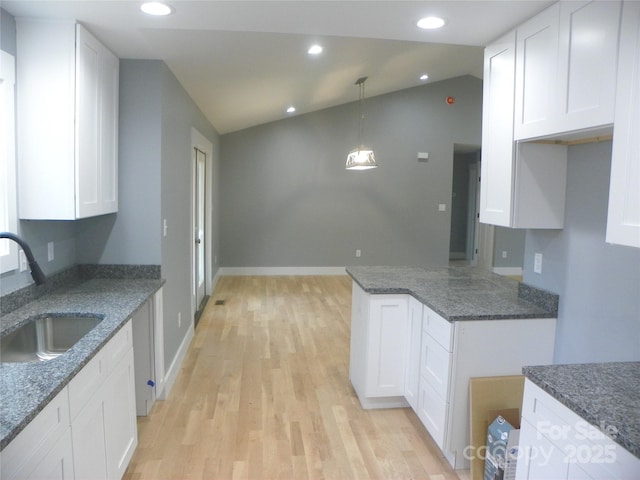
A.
pixel 244 62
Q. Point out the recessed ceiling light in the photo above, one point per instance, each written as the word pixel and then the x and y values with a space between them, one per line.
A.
pixel 291 109
pixel 430 23
pixel 424 77
pixel 314 50
pixel 156 8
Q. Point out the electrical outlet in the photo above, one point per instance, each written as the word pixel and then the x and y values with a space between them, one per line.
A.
pixel 442 207
pixel 164 227
pixel 504 254
pixel 179 319
pixel 537 263
pixel 50 255
pixel 358 252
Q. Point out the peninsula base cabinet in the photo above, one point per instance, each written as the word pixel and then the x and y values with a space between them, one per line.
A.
pixel 388 363
pixel 89 429
pixel 379 331
pixel 556 443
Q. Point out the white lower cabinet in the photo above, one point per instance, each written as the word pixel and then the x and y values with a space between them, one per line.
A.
pixel 88 431
pixel 432 412
pixel 42 451
pixel 103 426
pixel 121 431
pixel 57 464
pixel 555 443
pixel 383 359
pixel 89 441
pixel 379 332
pixel 435 374
pixel 412 381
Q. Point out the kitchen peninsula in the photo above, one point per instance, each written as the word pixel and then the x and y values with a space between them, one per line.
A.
pixel 418 335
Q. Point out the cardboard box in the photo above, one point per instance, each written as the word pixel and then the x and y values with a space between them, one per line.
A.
pixel 511 458
pixel 498 436
pixel 488 398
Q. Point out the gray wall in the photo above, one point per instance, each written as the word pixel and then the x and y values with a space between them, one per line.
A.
pixel 512 241
pixel 133 236
pixel 598 284
pixel 156 116
pixel 179 114
pixel 288 201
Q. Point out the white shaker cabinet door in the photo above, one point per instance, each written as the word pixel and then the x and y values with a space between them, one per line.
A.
pixel 498 151
pixel 536 66
pixel 89 447
pixel 623 221
pixel 587 63
pixel 120 411
pixel 388 325
pixel 412 380
pixel 97 79
pixel 57 464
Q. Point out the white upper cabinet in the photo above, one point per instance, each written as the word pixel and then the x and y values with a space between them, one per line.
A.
pixel 587 63
pixel 536 60
pixel 497 131
pixel 522 185
pixel 566 60
pixel 67 122
pixel 623 221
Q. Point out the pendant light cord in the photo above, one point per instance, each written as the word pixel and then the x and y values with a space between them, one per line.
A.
pixel 360 83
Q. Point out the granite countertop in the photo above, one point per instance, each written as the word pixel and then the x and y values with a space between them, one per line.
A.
pixel 460 292
pixel 26 388
pixel 601 393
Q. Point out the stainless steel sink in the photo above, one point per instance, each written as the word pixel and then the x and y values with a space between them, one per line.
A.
pixel 44 338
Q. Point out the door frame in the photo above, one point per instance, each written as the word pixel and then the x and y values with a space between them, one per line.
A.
pixel 200 142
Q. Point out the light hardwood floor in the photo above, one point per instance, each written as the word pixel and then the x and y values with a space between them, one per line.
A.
pixel 264 393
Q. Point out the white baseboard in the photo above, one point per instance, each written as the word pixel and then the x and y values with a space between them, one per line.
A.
pixel 172 372
pixel 281 271
pixel 508 270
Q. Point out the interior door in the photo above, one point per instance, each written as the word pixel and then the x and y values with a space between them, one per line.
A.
pixel 199 226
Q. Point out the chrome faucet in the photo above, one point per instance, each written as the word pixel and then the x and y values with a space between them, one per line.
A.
pixel 36 272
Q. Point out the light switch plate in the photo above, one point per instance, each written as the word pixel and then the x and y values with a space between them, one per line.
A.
pixel 537 263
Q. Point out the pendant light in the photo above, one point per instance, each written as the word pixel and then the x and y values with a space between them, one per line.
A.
pixel 361 157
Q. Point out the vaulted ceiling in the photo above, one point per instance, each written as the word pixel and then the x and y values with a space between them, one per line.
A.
pixel 245 62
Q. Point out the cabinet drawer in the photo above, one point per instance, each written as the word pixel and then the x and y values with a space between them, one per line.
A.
pixel 37 438
pixel 432 411
pixel 439 328
pixel 434 365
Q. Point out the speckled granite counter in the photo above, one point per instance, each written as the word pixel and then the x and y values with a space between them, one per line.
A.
pixel 597 392
pixel 26 388
pixel 460 293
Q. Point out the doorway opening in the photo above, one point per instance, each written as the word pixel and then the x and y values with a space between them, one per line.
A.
pixel 202 245
pixel 199 233
pixel 463 243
